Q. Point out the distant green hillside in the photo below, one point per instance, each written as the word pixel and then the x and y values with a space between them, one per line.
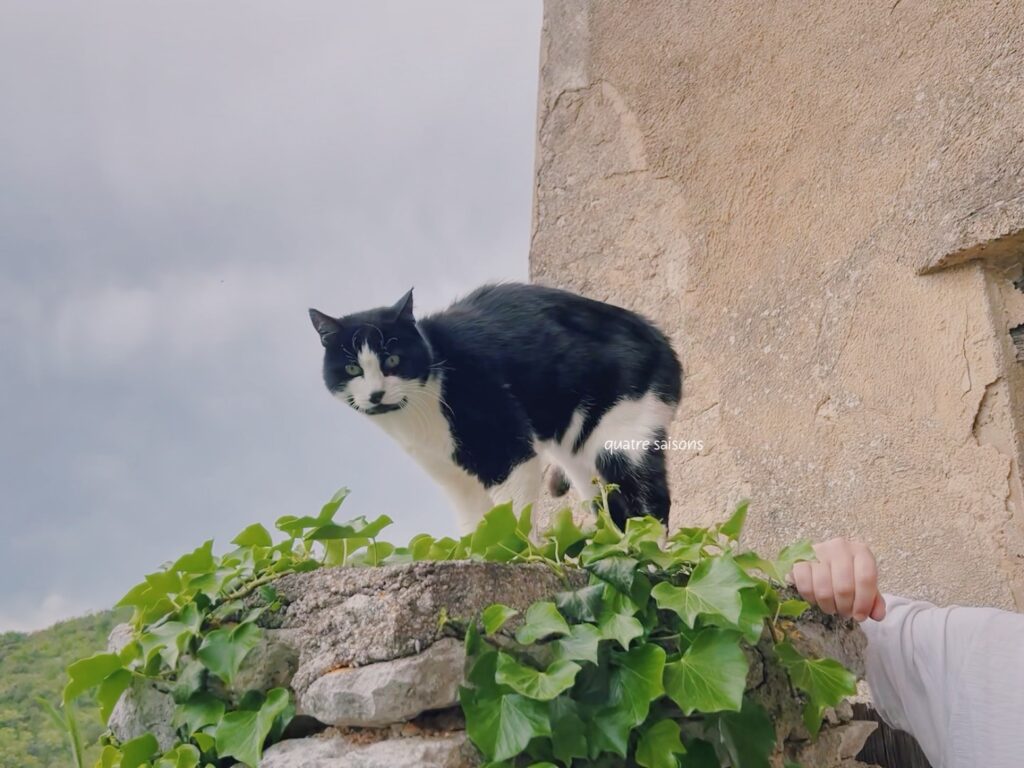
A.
pixel 32 665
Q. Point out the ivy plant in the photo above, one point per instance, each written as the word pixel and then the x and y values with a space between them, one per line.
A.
pixel 646 663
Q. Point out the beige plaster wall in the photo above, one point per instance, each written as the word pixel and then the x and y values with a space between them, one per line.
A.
pixel 795 191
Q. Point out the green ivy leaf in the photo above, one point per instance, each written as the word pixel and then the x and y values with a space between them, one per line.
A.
pixel 608 731
pixel 580 645
pixel 241 734
pixel 164 582
pixel 495 533
pixel 619 571
pixel 753 613
pixel 636 680
pixel 88 673
pixel 199 560
pixel 501 727
pixel 568 732
pixel 268 594
pixel 643 529
pixel 495 617
pixel 201 710
pixel 701 754
pixel 564 533
pixel 659 745
pixel 733 527
pixel 711 675
pixel 110 690
pixel 793 554
pixel 419 546
pixel 330 509
pixel 205 742
pixel 779 568
pixel 294 526
pixel 793 608
pixel 373 529
pixel 482 664
pixel 211 583
pixel 254 536
pixel 581 604
pixel 606 540
pixel 533 683
pixel 621 627
pixel 714 588
pixel 542 620
pixel 825 681
pixel 138 751
pixel 375 554
pixel 141 596
pixel 525 525
pixel 110 757
pixel 169 638
pixel 356 533
pixel 748 736
pixel 448 548
pixel 224 650
pixel 684 553
pixel 182 756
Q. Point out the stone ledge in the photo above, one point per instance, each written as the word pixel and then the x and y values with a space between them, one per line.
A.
pixel 371 666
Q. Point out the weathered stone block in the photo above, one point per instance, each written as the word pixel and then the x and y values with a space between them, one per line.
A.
pixel 350 617
pixel 333 750
pixel 836 745
pixel 388 691
pixel 144 709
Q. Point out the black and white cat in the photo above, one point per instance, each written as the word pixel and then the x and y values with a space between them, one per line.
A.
pixel 507 380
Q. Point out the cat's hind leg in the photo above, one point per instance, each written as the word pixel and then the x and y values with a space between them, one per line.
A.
pixel 521 487
pixel 642 482
pixel 469 498
pixel 627 448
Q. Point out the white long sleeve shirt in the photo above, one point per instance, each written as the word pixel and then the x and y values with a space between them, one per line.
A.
pixel 953 678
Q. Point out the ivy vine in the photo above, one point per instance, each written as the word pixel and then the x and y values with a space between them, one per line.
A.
pixel 647 664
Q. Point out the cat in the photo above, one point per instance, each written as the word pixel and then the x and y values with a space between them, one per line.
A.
pixel 508 380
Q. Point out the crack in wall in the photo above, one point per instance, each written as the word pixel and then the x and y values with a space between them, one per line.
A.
pixel 984 418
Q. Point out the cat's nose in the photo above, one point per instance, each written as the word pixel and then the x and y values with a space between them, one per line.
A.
pixel 376 397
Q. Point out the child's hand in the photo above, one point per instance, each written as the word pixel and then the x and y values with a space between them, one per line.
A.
pixel 843 580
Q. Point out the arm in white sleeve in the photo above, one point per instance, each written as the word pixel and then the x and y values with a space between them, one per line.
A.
pixel 953 678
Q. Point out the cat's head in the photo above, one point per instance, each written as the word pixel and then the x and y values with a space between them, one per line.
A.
pixel 374 360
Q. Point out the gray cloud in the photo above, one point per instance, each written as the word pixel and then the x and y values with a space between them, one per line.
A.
pixel 178 182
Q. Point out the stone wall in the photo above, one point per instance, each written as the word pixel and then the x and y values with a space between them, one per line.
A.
pixel 823 204
pixel 375 674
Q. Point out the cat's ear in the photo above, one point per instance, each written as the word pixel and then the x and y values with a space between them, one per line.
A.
pixel 403 307
pixel 325 325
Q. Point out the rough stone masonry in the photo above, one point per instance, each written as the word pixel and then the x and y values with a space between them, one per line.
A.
pixel 375 675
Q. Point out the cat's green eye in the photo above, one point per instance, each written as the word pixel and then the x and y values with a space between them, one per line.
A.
pixel 353 370
pixel 392 361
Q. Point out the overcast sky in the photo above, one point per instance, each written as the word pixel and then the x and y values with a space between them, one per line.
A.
pixel 179 181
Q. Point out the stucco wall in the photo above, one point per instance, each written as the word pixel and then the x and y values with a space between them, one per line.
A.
pixel 795 192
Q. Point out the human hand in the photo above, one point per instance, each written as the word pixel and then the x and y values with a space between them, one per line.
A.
pixel 843 580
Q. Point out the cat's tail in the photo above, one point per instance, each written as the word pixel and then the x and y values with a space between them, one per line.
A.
pixel 558 483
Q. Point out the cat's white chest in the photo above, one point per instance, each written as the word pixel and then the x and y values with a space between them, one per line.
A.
pixel 423 431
